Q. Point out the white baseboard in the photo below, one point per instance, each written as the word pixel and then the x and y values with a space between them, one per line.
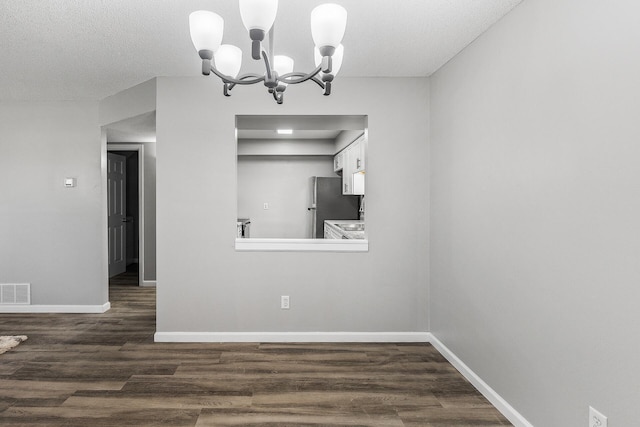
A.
pixel 19 308
pixel 148 283
pixel 290 337
pixel 492 396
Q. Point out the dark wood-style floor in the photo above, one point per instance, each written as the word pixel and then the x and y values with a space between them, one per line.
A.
pixel 105 370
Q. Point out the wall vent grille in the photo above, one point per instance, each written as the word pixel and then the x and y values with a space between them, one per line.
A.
pixel 15 293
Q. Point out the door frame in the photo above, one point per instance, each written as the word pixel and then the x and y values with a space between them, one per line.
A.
pixel 140 149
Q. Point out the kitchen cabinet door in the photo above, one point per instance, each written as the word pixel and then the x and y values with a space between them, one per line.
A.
pixel 347 171
pixel 338 161
pixel 353 164
pixel 359 154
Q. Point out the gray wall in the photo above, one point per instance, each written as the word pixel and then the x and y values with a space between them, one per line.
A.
pixel 205 285
pixel 51 236
pixel 535 208
pixel 132 102
pixel 283 182
pixel 149 211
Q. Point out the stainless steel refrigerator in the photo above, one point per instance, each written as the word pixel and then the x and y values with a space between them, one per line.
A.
pixel 327 202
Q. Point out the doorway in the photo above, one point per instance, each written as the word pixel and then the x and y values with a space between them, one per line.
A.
pixel 125 177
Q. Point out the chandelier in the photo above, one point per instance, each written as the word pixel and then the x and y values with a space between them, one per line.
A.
pixel 328 23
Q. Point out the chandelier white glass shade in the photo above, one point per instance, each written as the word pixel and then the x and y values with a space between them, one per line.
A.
pixel 328 24
pixel 228 60
pixel 258 14
pixel 206 30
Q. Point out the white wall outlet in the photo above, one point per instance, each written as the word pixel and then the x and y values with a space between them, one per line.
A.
pixel 69 182
pixel 596 419
pixel 284 302
pixel 265 206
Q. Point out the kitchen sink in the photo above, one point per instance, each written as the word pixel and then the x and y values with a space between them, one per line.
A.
pixel 351 227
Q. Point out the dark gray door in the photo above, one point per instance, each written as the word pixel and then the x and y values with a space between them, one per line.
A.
pixel 117 202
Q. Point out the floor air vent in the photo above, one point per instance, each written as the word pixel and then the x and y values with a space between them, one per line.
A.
pixel 15 293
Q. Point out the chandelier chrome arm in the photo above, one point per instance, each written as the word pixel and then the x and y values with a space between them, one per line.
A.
pixel 242 80
pixel 278 93
pixel 302 77
pixel 267 63
pixel 255 77
pixel 272 81
pixel 325 84
pixel 313 79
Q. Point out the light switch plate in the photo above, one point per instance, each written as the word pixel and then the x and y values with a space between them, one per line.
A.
pixel 69 182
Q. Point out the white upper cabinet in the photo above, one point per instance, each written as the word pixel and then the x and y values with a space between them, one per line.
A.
pixel 358 154
pixel 352 161
pixel 338 161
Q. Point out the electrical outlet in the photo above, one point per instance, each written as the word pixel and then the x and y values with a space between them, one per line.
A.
pixel 265 206
pixel 596 419
pixel 284 302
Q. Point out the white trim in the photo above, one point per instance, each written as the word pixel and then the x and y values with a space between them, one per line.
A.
pixel 285 337
pixel 148 283
pixel 302 245
pixel 10 308
pixel 140 149
pixel 492 396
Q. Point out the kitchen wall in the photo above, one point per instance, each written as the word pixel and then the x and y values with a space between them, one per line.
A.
pixel 345 138
pixel 286 147
pixel 204 285
pixel 535 206
pixel 52 236
pixel 283 183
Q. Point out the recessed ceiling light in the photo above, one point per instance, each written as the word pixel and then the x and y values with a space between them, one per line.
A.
pixel 285 131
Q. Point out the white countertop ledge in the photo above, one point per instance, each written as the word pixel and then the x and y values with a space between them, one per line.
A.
pixel 301 245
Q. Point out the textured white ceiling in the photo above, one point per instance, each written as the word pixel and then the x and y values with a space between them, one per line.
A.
pixel 89 49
